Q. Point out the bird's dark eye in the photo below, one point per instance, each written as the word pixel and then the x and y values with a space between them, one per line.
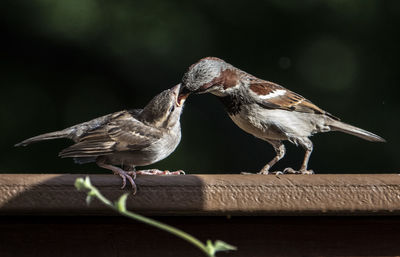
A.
pixel 172 108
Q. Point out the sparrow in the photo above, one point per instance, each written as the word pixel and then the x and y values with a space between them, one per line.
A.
pixel 127 138
pixel 265 109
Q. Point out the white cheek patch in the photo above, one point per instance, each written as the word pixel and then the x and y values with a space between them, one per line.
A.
pixel 273 94
pixel 233 88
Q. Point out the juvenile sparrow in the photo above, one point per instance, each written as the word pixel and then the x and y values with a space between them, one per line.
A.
pixel 265 109
pixel 128 138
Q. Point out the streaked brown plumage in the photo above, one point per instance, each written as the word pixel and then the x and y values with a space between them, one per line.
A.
pixel 265 109
pixel 127 138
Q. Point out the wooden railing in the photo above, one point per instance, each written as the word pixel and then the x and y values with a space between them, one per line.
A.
pixel 208 194
pixel 287 215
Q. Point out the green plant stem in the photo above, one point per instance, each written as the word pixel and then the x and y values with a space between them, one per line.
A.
pixel 191 239
pixel 120 206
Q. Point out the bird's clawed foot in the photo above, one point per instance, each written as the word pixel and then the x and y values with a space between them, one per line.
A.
pixel 277 172
pixel 285 171
pixel 307 172
pixel 301 171
pixel 264 172
pixel 130 175
pixel 160 172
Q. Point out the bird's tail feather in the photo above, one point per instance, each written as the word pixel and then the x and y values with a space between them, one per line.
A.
pixel 358 132
pixel 47 136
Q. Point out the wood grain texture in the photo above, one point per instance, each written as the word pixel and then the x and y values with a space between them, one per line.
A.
pixel 33 194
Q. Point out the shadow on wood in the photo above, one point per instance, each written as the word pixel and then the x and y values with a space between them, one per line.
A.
pixel 44 215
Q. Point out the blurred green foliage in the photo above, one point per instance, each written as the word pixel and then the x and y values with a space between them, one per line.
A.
pixel 67 61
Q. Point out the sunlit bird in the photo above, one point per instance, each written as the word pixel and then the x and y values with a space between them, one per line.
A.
pixel 128 138
pixel 265 109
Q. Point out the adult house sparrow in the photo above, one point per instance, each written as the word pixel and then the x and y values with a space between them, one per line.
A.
pixel 265 109
pixel 128 138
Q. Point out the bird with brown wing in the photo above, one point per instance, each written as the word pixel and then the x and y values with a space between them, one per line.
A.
pixel 128 138
pixel 265 109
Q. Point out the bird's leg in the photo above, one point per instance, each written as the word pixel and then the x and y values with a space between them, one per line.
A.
pixel 130 175
pixel 308 146
pixel 280 150
pixel 159 172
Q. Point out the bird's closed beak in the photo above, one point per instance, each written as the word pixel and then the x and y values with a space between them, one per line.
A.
pixel 204 88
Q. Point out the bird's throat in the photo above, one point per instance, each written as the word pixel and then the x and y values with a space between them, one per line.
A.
pixel 232 104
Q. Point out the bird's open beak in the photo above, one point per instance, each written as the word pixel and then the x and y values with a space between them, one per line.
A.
pixel 182 95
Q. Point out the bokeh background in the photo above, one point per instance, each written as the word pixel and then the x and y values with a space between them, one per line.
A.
pixel 67 61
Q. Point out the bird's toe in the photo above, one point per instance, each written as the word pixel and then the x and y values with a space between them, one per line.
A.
pixel 250 173
pixel 160 172
pixel 178 172
pixel 291 171
pixel 123 181
pixel 307 172
pixel 130 175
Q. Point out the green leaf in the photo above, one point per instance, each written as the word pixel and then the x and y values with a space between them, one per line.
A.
pixel 222 246
pixel 88 184
pixel 88 199
pixel 218 246
pixel 79 183
pixel 121 204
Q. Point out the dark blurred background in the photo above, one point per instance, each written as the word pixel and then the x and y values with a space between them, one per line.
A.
pixel 67 61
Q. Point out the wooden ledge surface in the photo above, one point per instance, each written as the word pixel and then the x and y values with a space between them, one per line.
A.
pixel 55 194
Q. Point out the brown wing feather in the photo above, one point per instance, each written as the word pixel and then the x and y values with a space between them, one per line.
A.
pixel 133 135
pixel 121 133
pixel 88 149
pixel 288 101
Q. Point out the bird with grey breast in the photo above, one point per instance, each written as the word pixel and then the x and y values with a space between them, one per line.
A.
pixel 128 138
pixel 265 109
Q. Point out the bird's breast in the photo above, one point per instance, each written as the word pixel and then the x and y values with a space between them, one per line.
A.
pixel 249 120
pixel 164 146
